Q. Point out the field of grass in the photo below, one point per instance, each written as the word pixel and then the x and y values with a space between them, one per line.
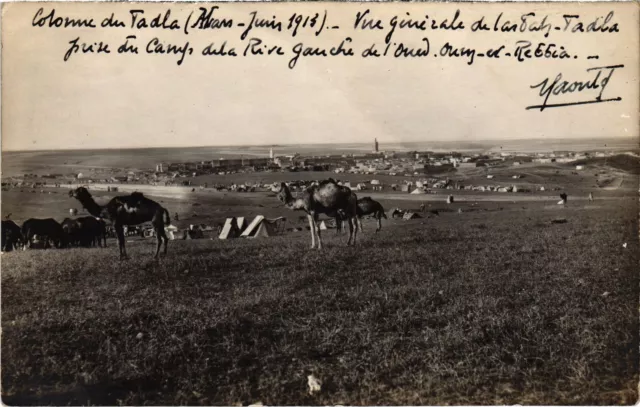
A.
pixel 495 306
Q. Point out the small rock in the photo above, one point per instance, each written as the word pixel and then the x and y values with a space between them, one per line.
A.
pixel 624 245
pixel 139 336
pixel 606 294
pixel 314 384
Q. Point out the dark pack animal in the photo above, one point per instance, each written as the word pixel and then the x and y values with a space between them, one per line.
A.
pixel 71 229
pixel 11 236
pixel 366 207
pixel 128 210
pixel 328 198
pixel 47 230
pixel 93 232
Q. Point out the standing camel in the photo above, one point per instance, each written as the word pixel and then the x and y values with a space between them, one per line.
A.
pixel 327 198
pixel 366 206
pixel 127 210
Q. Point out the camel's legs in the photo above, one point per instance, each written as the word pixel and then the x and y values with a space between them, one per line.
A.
pixel 315 223
pixel 355 232
pixel 166 241
pixel 351 223
pixel 120 233
pixel 162 237
pixel 379 224
pixel 340 225
pixel 359 220
pixel 159 241
pixel 27 244
pixel 312 229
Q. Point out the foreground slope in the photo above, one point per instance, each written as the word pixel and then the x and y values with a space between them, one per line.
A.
pixel 480 307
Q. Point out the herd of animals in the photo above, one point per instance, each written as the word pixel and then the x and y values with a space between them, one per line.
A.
pixel 323 198
pixel 85 231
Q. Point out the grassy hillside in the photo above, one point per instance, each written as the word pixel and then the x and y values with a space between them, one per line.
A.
pixel 496 307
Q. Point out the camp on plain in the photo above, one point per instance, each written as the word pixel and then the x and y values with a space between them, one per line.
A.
pixel 477 272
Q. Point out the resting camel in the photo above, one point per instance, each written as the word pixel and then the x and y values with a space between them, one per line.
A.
pixel 127 210
pixel 366 206
pixel 327 198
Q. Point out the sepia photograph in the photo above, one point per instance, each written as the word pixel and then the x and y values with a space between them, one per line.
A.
pixel 320 203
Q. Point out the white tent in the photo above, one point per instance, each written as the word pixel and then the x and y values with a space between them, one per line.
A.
pixel 259 227
pixel 322 226
pixel 171 230
pixel 418 191
pixel 375 182
pixel 230 229
pixel 241 223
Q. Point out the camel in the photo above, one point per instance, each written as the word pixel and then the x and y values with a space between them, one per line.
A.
pixel 11 235
pixel 86 231
pixel 128 210
pixel 327 198
pixel 366 206
pixel 46 229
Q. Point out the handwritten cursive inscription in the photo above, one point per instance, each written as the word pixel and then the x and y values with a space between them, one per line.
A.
pixel 598 80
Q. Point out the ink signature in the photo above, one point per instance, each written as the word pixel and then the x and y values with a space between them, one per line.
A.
pixel 598 79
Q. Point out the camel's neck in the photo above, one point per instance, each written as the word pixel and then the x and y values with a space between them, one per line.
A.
pixel 91 206
pixel 293 203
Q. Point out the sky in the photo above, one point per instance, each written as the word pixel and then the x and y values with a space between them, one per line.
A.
pixel 119 101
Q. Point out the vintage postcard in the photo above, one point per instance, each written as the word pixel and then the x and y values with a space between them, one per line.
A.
pixel 320 203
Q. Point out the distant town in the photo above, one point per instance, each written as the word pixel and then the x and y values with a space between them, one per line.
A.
pixel 422 165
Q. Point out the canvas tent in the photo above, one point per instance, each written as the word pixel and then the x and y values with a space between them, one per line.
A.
pixel 241 223
pixel 418 191
pixel 260 227
pixel 230 229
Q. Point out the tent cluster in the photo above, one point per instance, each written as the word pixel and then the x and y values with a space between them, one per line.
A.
pixel 259 227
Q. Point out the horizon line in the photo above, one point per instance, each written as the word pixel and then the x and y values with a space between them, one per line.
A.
pixel 308 144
